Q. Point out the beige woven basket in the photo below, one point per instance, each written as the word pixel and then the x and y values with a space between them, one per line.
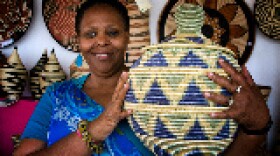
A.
pixel 171 115
pixel 51 73
pixel 13 79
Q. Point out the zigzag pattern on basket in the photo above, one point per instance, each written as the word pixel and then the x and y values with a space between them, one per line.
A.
pixel 183 126
pixel 171 88
pixel 188 132
pixel 184 57
pixel 13 76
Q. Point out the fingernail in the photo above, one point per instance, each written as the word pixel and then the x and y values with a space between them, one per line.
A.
pixel 210 75
pixel 221 60
pixel 130 111
pixel 213 115
pixel 207 94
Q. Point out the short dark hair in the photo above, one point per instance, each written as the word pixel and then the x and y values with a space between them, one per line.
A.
pixel 118 6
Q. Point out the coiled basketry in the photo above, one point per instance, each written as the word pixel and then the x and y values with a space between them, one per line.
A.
pixel 171 115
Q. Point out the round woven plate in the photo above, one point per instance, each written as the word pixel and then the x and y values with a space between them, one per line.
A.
pixel 267 15
pixel 59 16
pixel 228 23
pixel 15 18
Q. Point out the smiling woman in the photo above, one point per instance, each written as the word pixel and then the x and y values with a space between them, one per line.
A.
pixel 59 17
pixel 85 115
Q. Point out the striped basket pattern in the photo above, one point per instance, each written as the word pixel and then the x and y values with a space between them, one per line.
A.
pixel 171 115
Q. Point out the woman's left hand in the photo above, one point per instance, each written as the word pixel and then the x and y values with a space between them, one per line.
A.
pixel 248 106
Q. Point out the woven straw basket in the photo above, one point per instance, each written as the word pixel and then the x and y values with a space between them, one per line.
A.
pixel 13 77
pixel 51 73
pixel 171 115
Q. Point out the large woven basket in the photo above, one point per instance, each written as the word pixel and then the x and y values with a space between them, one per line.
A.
pixel 171 115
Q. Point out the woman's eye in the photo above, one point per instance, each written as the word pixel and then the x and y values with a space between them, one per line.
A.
pixel 113 33
pixel 91 34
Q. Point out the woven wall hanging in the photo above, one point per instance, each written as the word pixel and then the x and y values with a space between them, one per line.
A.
pixel 267 15
pixel 15 18
pixel 228 23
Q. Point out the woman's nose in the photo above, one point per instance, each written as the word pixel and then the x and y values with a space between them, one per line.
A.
pixel 102 40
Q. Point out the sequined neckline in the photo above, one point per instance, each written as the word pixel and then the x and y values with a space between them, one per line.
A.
pixel 79 83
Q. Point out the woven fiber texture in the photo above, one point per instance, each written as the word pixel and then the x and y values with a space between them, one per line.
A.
pixel 267 15
pixel 228 23
pixel 15 18
pixel 166 91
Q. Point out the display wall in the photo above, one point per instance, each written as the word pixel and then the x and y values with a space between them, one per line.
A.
pixel 263 63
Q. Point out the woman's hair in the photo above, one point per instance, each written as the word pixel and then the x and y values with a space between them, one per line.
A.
pixel 118 6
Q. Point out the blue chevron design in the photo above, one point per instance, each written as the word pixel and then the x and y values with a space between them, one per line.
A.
pixel 156 96
pixel 193 96
pixel 136 63
pixel 160 152
pixel 130 97
pixel 192 60
pixel 161 131
pixel 197 40
pixel 224 132
pixel 157 60
pixel 137 127
pixel 196 132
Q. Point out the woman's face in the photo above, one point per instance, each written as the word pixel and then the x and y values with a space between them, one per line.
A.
pixel 103 40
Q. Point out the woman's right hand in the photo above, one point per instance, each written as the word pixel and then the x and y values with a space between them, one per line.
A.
pixel 103 126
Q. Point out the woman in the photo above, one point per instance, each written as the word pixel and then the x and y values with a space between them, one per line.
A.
pixel 84 116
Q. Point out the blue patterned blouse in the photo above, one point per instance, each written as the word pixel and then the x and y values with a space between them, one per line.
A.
pixel 65 104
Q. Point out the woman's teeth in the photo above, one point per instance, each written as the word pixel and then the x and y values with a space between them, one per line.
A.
pixel 101 55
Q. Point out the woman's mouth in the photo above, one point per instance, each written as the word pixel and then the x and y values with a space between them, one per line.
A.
pixel 102 56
